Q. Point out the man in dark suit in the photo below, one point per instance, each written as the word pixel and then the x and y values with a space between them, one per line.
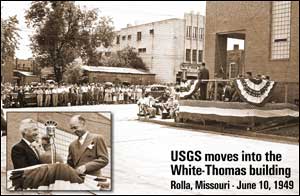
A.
pixel 203 74
pixel 88 154
pixel 24 153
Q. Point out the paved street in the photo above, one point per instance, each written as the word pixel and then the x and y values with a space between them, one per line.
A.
pixel 142 155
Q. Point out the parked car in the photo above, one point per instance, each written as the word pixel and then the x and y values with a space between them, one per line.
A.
pixel 157 90
pixel 30 99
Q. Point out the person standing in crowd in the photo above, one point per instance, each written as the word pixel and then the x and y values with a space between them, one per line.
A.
pixel 84 94
pixel 90 94
pixel 47 96
pixel 55 96
pixel 139 92
pixel 203 75
pixel 79 95
pixel 108 95
pixel 73 94
pixel 26 88
pixel 21 96
pixel 66 94
pixel 121 95
pixel 248 75
pixel 60 95
pixel 116 96
pixel 125 95
pixel 129 95
pixel 101 94
pixel 96 94
pixel 39 95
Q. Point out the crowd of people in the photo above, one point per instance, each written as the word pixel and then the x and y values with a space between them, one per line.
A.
pixel 62 94
pixel 166 105
pixel 53 94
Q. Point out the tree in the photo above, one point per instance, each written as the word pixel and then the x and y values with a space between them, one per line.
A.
pixel 9 37
pixel 125 58
pixel 100 34
pixel 65 32
pixel 73 73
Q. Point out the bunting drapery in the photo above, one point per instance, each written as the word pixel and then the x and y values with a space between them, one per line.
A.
pixel 256 92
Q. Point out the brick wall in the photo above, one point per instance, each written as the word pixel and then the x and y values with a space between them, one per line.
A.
pixel 112 77
pixel 253 19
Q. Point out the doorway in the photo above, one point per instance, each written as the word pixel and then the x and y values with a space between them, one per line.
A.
pixel 230 54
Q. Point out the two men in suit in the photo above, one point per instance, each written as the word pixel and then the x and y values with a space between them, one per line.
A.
pixel 88 154
pixel 203 74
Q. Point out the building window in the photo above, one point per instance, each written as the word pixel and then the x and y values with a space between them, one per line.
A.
pixel 188 55
pixel 195 33
pixel 151 31
pixel 118 39
pixel 194 56
pixel 281 27
pixel 129 37
pixel 201 33
pixel 188 31
pixel 200 56
pixel 139 36
pixel 123 37
pixel 142 50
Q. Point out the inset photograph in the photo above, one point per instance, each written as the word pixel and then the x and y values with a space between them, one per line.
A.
pixel 59 151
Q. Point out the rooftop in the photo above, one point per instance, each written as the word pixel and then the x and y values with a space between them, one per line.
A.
pixel 123 70
pixel 25 73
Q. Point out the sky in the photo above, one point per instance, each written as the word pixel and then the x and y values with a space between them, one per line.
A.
pixel 122 13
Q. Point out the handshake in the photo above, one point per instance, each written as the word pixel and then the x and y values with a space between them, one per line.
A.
pixel 80 170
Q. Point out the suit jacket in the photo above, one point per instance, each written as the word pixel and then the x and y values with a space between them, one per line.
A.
pixel 203 75
pixel 23 156
pixel 92 153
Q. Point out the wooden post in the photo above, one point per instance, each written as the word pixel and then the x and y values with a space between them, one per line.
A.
pixel 216 90
pixel 285 93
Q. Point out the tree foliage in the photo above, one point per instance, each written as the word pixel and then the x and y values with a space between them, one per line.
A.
pixel 124 58
pixel 9 37
pixel 73 73
pixel 64 31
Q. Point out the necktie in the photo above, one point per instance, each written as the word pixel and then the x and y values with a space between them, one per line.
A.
pixel 35 151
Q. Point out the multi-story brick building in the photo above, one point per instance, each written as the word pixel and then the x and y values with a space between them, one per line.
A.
pixel 235 62
pixel 25 71
pixel 167 47
pixel 270 31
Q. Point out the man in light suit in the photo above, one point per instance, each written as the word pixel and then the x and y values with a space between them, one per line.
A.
pixel 88 154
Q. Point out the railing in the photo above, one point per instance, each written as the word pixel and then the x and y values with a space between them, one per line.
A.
pixel 285 93
pixel 216 81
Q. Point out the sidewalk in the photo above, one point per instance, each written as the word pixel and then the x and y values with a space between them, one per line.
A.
pixel 281 135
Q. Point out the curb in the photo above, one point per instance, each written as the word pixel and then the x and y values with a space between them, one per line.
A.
pixel 229 132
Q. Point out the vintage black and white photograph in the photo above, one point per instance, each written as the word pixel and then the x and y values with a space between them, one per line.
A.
pixel 58 151
pixel 185 77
